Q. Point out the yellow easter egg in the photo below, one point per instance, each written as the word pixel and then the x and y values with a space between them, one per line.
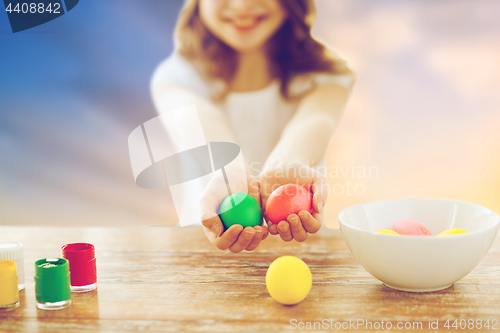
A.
pixel 288 280
pixel 454 231
pixel 387 231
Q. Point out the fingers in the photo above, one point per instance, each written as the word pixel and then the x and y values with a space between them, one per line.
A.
pixel 208 208
pixel 244 239
pixel 320 192
pixel 310 223
pixel 265 231
pixel 228 238
pixel 212 222
pixel 317 203
pixel 256 239
pixel 297 226
pixel 298 231
pixel 237 239
pixel 273 228
pixel 284 231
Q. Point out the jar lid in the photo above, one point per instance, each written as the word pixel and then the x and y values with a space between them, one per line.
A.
pixel 78 251
pixel 51 268
pixel 11 250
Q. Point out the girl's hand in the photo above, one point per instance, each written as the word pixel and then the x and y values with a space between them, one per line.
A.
pixel 297 226
pixel 236 238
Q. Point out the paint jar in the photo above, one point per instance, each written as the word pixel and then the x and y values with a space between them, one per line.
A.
pixel 52 284
pixel 82 266
pixel 9 292
pixel 12 250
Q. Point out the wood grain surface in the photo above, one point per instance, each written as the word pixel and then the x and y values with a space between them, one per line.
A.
pixel 173 280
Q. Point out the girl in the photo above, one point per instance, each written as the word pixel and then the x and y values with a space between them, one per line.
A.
pixel 259 79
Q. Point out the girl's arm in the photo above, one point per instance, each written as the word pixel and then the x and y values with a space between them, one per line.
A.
pixel 169 97
pixel 302 145
pixel 306 136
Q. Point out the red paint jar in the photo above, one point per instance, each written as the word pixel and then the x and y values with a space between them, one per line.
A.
pixel 82 266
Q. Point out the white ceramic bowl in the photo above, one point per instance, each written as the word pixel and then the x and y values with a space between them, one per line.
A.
pixel 419 263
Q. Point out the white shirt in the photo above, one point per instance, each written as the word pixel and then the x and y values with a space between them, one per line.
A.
pixel 258 117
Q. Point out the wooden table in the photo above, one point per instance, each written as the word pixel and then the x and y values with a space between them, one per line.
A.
pixel 172 280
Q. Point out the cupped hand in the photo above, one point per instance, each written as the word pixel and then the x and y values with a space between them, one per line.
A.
pixel 296 226
pixel 235 238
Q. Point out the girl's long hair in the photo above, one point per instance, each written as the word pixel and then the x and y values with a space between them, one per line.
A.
pixel 292 49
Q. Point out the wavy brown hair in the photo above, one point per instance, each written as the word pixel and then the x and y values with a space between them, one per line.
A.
pixel 292 49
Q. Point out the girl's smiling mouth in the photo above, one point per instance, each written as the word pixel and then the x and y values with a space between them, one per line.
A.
pixel 245 23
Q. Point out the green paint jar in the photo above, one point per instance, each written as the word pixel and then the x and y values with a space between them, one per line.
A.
pixel 52 283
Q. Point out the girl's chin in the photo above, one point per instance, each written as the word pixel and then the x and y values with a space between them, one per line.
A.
pixel 245 49
pixel 245 45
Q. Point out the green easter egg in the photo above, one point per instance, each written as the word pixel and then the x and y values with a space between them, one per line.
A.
pixel 240 208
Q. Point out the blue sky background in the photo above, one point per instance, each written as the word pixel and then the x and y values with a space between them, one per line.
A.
pixel 71 91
